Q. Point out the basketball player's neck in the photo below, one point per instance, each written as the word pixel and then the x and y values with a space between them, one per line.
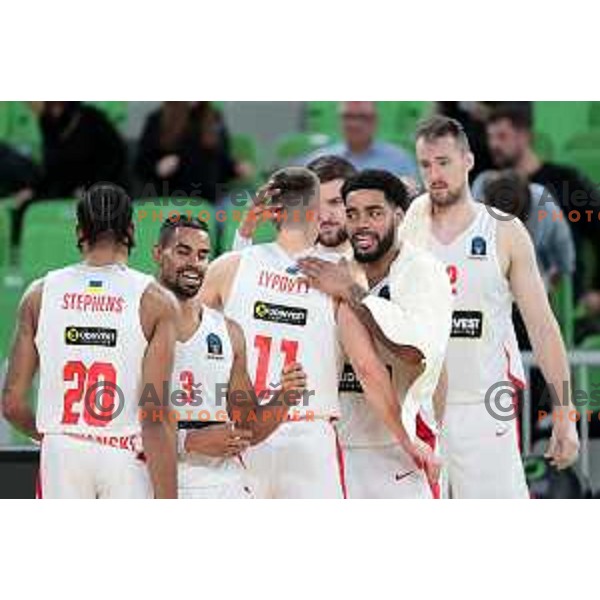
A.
pixel 294 241
pixel 104 253
pixel 450 220
pixel 378 270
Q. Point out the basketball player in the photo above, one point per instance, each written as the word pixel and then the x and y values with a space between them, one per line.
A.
pixel 213 388
pixel 284 320
pixel 100 333
pixel 489 262
pixel 408 305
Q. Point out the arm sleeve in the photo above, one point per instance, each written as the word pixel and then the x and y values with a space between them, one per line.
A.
pixel 419 312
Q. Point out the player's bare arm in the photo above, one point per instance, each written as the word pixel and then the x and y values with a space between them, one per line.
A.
pixel 23 364
pixel 260 420
pixel 546 340
pixel 439 395
pixel 343 282
pixel 159 313
pixel 377 385
pixel 218 280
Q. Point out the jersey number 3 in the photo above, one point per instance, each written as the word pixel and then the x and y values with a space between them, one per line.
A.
pixel 96 386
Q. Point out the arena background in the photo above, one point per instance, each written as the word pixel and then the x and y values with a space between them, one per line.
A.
pixel 260 136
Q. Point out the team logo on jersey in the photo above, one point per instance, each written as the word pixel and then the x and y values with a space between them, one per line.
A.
pixel 214 346
pixel 277 313
pixel 478 247
pixel 90 336
pixel 467 324
pixel 384 292
pixel 95 286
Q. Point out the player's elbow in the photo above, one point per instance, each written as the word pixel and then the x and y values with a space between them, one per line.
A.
pixel 10 406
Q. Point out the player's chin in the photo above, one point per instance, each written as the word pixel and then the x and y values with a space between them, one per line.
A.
pixel 332 238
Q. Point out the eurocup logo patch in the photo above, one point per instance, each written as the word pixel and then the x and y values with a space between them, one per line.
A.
pixel 214 345
pixel 293 270
pixel 478 247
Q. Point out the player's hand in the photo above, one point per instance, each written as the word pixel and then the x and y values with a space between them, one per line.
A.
pixel 563 448
pixel 218 441
pixel 167 165
pixel 263 208
pixel 333 279
pixel 426 460
pixel 293 383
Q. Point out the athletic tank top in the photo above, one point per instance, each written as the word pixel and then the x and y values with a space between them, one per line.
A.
pixel 91 347
pixel 285 320
pixel 202 369
pixel 483 348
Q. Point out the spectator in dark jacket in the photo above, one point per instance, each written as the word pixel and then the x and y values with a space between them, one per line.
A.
pixel 80 148
pixel 509 130
pixel 184 148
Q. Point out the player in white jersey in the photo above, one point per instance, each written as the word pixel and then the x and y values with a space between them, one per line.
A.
pixel 101 334
pixel 211 392
pixel 283 319
pixel 489 261
pixel 409 307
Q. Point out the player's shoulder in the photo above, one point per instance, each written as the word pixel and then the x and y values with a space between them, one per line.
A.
pixel 157 299
pixel 229 260
pixel 417 258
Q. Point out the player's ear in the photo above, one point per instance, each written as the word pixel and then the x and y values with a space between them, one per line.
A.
pixel 470 158
pixel 398 216
pixel 157 253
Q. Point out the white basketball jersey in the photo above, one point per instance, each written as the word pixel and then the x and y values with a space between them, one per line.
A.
pixel 483 347
pixel 284 320
pixel 202 371
pixel 91 347
pixel 360 427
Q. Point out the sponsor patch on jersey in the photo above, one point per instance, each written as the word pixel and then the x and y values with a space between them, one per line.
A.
pixel 467 324
pixel 95 286
pixel 214 346
pixel 278 313
pixel 478 247
pixel 349 381
pixel 90 336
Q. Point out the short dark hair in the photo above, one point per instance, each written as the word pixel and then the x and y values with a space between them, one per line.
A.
pixel 329 168
pixel 509 192
pixel 295 183
pixel 170 225
pixel 519 116
pixel 393 189
pixel 439 126
pixel 105 209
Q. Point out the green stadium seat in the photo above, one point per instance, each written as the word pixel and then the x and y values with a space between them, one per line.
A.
pixel 4 231
pixel 563 305
pixel 244 148
pixel 150 213
pixel 594 115
pixel 19 128
pixel 543 146
pixel 297 145
pixel 583 152
pixel 48 241
pixel 265 232
pixel 11 290
pixel 116 111
pixel 322 117
pixel 588 378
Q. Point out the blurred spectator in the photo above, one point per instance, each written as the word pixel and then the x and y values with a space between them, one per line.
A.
pixel 361 148
pixel 80 148
pixel 552 240
pixel 509 130
pixel 17 172
pixel 185 148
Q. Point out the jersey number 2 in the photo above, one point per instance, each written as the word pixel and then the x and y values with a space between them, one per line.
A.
pixel 98 399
